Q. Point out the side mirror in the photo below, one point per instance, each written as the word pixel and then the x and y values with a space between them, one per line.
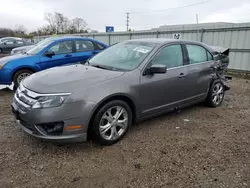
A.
pixel 49 54
pixel 156 69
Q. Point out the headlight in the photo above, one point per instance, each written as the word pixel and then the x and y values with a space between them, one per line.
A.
pixel 50 101
pixel 2 64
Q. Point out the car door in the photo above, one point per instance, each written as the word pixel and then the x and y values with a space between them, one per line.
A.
pixel 8 45
pixel 84 49
pixel 163 92
pixel 199 71
pixel 19 43
pixel 62 50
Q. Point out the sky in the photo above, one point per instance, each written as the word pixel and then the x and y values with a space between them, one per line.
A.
pixel 143 13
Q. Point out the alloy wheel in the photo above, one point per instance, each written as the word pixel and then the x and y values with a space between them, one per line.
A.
pixel 22 76
pixel 218 93
pixel 113 123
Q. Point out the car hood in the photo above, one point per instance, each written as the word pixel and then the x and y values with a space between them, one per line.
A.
pixel 6 59
pixel 24 47
pixel 68 78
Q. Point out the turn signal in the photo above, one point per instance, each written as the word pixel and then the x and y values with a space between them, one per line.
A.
pixel 72 127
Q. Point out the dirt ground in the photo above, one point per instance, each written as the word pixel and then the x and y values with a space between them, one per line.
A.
pixel 200 147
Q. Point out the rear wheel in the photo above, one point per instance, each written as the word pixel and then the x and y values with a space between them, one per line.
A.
pixel 112 122
pixel 20 75
pixel 216 94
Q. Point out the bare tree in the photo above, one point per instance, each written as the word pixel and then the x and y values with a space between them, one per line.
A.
pixel 80 24
pixel 20 29
pixel 58 23
pixel 49 17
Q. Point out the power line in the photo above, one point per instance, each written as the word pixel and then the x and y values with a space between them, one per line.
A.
pixel 185 6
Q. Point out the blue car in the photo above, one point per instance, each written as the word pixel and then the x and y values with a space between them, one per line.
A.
pixel 51 52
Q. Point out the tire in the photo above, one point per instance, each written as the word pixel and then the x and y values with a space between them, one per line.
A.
pixel 106 117
pixel 216 94
pixel 21 73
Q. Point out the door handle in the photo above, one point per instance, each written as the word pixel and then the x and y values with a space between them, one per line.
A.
pixel 68 55
pixel 181 75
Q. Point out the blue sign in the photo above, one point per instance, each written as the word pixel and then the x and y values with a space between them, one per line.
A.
pixel 110 29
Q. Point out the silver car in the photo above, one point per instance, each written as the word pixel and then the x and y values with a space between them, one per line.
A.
pixel 126 83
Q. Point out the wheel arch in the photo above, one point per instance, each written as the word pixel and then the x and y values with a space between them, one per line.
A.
pixel 21 68
pixel 122 97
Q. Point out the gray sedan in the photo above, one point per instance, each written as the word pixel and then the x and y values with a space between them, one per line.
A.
pixel 8 44
pixel 126 83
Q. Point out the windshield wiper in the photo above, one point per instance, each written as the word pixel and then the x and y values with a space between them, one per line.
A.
pixel 100 67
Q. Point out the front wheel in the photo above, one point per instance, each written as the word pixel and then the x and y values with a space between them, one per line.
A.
pixel 112 122
pixel 20 75
pixel 216 94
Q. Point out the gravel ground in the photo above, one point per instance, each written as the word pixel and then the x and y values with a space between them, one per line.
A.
pixel 200 147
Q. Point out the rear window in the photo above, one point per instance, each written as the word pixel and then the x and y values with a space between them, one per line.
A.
pixel 99 46
pixel 84 46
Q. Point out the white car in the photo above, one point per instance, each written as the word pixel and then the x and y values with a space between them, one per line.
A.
pixel 22 49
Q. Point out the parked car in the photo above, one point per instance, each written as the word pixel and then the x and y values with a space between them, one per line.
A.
pixel 6 45
pixel 9 38
pixel 52 52
pixel 126 83
pixel 21 50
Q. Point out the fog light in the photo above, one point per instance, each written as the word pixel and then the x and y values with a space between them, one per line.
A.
pixel 55 128
pixel 72 127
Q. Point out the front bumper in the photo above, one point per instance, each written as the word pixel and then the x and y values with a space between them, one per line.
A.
pixel 5 76
pixel 80 137
pixel 70 114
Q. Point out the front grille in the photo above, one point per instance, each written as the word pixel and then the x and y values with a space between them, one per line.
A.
pixel 22 98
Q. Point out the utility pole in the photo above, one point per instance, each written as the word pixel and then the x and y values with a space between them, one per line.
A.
pixel 197 22
pixel 127 21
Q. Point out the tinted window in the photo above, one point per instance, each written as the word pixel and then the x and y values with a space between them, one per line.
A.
pixel 197 54
pixel 62 48
pixel 8 42
pixel 84 46
pixel 99 46
pixel 209 56
pixel 170 56
pixel 19 42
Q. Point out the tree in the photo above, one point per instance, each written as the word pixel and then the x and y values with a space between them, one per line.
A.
pixel 80 24
pixel 49 17
pixel 58 23
pixel 21 30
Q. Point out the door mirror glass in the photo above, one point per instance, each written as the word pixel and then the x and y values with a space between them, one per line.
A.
pixel 156 69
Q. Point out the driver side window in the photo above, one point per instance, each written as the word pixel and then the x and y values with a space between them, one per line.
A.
pixel 171 56
pixel 62 48
pixel 9 42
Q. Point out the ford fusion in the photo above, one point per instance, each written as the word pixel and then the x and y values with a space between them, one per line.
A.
pixel 128 82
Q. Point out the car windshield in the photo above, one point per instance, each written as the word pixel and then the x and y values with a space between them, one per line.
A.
pixel 39 46
pixel 123 56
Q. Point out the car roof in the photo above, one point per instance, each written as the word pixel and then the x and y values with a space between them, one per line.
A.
pixel 67 37
pixel 161 41
pixel 58 38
